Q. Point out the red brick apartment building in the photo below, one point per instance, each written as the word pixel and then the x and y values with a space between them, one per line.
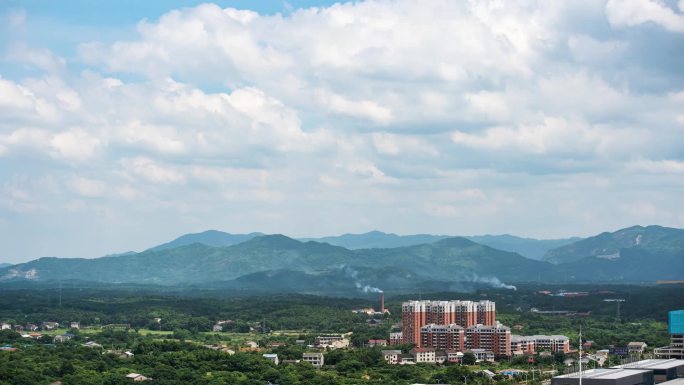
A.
pixel 416 314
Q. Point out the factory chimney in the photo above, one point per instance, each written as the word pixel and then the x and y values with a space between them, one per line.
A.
pixel 382 302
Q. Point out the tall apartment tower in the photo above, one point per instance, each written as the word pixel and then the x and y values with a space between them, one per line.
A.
pixel 443 337
pixel 413 317
pixel 486 313
pixel 496 338
pixel 416 314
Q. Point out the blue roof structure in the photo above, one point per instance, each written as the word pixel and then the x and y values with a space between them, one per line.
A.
pixel 675 322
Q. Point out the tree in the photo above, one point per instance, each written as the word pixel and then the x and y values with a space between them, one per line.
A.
pixel 469 359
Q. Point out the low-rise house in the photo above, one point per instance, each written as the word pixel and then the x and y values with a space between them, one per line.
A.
pixel 600 359
pixel 63 338
pixel 290 362
pixel 482 355
pixel 31 327
pixel 276 344
pixel 5 326
pixel 315 359
pixel 8 348
pixel 18 328
pixel 92 344
pixel 407 359
pixel 300 342
pixel 487 373
pixel 217 328
pixel 454 356
pixel 251 344
pixel 271 357
pixel 50 325
pixel 588 345
pixel 75 325
pixel 391 356
pixel 636 347
pixel 137 377
pixel 423 355
pixel 373 343
pixel 120 353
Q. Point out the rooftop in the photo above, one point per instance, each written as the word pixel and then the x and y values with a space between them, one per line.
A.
pixel 653 364
pixel 676 381
pixel 608 374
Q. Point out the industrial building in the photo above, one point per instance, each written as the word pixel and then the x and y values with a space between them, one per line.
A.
pixel 663 369
pixel 606 377
pixel 675 325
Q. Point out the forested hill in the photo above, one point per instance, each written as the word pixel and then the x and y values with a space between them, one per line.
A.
pixel 656 241
pixel 279 263
pixel 527 247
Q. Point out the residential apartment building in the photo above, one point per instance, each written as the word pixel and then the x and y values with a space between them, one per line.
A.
pixel 443 337
pixel 495 338
pixel 395 338
pixel 554 343
pixel 416 314
pixel 522 345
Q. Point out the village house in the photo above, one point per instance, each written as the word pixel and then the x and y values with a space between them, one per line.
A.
pixel 63 338
pixel 50 325
pixel 136 377
pixel 636 347
pixel 391 356
pixel 373 343
pixel 271 357
pixel 423 355
pixel 315 359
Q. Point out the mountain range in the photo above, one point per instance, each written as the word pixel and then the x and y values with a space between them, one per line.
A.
pixel 276 263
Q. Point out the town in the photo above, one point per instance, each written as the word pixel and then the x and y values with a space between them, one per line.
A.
pixel 441 333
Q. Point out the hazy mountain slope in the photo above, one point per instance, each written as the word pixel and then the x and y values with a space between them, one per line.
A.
pixel 271 259
pixel 653 241
pixel 449 259
pixel 635 265
pixel 5 265
pixel 377 240
pixel 210 238
pixel 459 259
pixel 527 247
pixel 195 263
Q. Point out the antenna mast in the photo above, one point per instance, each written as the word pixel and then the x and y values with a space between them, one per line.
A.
pixel 580 356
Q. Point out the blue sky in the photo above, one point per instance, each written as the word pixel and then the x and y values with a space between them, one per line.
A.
pixel 125 124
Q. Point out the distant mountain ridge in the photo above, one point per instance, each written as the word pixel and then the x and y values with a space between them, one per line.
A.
pixel 213 238
pixel 2 265
pixel 527 247
pixel 658 239
pixel 277 262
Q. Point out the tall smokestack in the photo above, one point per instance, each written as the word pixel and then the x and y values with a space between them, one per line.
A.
pixel 382 302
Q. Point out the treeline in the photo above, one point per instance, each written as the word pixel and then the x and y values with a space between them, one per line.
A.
pixel 175 363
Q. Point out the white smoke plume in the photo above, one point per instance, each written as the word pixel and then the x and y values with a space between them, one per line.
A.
pixel 492 281
pixel 367 288
pixel 353 274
